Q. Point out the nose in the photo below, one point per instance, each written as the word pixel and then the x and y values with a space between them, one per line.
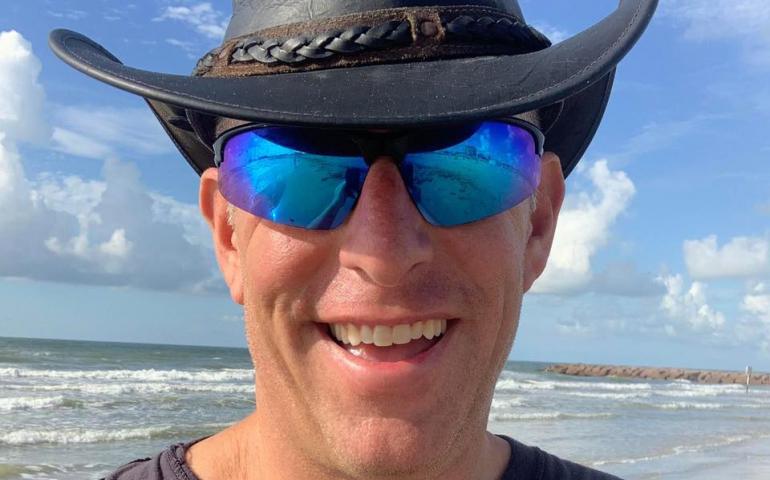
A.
pixel 385 236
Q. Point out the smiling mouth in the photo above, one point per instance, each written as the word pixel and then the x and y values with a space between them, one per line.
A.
pixel 385 343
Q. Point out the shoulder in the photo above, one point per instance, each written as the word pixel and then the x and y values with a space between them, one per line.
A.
pixel 166 465
pixel 532 463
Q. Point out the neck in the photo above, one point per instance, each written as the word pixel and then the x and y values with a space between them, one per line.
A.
pixel 258 448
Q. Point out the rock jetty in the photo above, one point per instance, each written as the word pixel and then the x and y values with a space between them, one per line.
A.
pixel 657 373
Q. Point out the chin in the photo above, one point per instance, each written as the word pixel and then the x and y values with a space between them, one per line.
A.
pixel 390 447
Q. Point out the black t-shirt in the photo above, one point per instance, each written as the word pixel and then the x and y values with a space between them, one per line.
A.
pixel 526 463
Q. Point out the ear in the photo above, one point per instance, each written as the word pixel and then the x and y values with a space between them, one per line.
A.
pixel 214 210
pixel 549 197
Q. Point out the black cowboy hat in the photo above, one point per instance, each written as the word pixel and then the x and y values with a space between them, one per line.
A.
pixel 375 63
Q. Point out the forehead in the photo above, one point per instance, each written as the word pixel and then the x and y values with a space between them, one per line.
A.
pixel 223 124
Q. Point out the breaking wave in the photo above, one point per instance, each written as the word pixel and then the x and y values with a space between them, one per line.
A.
pixel 35 403
pixel 65 436
pixel 611 396
pixel 508 417
pixel 704 406
pixel 138 388
pixel 147 375
pixel 677 450
pixel 500 404
pixel 514 384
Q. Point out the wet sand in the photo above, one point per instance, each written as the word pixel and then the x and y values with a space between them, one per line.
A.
pixel 659 373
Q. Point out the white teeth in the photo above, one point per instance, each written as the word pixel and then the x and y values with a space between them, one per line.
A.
pixel 427 329
pixel 416 330
pixel 402 334
pixel 354 335
pixel 344 334
pixel 385 335
pixel 366 334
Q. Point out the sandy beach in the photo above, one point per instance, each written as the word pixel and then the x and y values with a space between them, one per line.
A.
pixel 658 373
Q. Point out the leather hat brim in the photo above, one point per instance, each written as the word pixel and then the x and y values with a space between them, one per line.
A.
pixel 426 92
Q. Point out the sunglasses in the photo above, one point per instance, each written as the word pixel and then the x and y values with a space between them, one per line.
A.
pixel 312 177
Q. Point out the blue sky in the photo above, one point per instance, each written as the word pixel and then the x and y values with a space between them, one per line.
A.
pixel 662 254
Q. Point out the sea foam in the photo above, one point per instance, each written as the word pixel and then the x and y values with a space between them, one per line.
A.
pixel 530 416
pixel 515 384
pixel 150 375
pixel 34 403
pixel 66 436
pixel 678 450
pixel 137 388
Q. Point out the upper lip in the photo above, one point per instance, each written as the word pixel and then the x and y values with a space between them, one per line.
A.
pixel 384 320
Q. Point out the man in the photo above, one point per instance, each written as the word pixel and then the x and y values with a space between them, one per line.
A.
pixel 382 180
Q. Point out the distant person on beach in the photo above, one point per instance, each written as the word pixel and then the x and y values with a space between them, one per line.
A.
pixel 382 180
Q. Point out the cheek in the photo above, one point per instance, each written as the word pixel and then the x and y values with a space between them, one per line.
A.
pixel 278 262
pixel 279 266
pixel 492 253
pixel 492 256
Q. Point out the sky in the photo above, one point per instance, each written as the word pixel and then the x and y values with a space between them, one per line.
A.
pixel 662 250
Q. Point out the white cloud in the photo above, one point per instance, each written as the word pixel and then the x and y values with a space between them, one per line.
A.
pixel 203 17
pixel 598 314
pixel 23 219
pixel 189 48
pixel 658 135
pixel 120 239
pixel 747 21
pixel 739 257
pixel 168 210
pixel 21 101
pixel 583 227
pixel 71 14
pixel 114 14
pixel 575 328
pixel 689 307
pixel 180 43
pixel 21 108
pixel 70 194
pixel 754 328
pixel 117 245
pixel 80 145
pixel 101 232
pixel 554 34
pixel 108 231
pixel 757 302
pixel 99 132
pixel 624 279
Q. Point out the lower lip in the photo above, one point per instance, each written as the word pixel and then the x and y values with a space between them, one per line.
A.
pixel 367 376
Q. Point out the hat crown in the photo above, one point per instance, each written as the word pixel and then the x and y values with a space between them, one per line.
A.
pixel 250 16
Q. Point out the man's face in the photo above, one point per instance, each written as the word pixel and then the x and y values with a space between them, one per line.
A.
pixel 384 265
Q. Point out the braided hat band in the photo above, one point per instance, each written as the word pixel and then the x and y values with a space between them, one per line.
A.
pixel 375 37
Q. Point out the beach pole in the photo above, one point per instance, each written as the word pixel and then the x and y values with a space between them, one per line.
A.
pixel 748 377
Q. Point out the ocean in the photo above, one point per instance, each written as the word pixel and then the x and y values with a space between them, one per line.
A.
pixel 77 410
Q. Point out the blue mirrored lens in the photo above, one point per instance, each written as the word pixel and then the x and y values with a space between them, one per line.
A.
pixel 492 170
pixel 312 178
pixel 263 174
